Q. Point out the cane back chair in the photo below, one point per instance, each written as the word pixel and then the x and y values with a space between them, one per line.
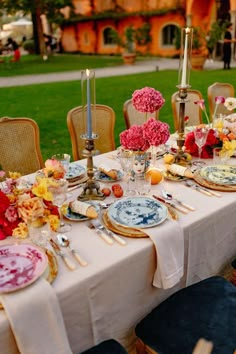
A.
pixel 132 116
pixel 219 89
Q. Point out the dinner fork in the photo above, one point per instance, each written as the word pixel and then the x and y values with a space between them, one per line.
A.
pixel 101 227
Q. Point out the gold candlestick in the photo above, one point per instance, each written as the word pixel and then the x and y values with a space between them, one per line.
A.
pixel 91 189
pixel 181 157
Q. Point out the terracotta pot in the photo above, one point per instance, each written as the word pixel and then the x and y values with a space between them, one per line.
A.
pixel 198 61
pixel 129 58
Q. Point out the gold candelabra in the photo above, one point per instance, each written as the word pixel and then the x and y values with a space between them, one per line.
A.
pixel 91 189
pixel 181 157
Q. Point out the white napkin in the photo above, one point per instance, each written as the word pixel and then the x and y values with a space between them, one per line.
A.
pixel 168 240
pixel 36 320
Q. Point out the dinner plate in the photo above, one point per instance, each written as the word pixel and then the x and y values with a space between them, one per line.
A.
pixel 75 171
pixel 20 265
pixel 69 214
pixel 219 174
pixel 102 177
pixel 137 212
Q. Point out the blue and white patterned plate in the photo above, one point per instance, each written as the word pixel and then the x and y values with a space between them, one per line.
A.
pixel 219 174
pixel 69 214
pixel 102 177
pixel 75 171
pixel 137 212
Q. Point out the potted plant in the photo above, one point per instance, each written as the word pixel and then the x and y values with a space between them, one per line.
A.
pixel 199 49
pixel 127 41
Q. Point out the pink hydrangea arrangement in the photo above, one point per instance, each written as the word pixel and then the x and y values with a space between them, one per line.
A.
pixel 141 137
pixel 147 99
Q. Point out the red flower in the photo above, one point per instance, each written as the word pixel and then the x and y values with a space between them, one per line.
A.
pixel 156 132
pixel 147 99
pixel 4 202
pixel 207 150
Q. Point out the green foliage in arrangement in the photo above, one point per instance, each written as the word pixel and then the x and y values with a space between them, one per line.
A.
pixel 48 104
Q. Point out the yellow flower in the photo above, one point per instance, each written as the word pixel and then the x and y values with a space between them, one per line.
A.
pixel 54 222
pixel 229 147
pixel 21 231
pixel 41 190
pixel 14 175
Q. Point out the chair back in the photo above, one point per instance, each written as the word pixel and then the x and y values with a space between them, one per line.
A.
pixel 192 110
pixel 132 116
pixel 20 145
pixel 219 89
pixel 103 119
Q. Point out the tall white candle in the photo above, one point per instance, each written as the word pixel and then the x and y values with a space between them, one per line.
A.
pixel 185 61
pixel 89 116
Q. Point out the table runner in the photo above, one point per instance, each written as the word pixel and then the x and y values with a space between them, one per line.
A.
pixel 37 303
pixel 168 240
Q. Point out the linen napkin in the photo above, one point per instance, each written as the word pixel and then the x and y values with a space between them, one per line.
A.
pixel 36 320
pixel 168 241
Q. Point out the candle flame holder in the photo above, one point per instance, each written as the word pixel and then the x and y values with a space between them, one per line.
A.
pixel 91 189
pixel 181 157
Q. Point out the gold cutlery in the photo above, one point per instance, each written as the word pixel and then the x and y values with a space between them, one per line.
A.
pixel 105 237
pixel 173 205
pixel 96 223
pixel 70 265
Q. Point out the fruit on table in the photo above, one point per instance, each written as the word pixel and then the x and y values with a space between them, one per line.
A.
pixel 155 175
pixel 117 190
pixel 106 191
pixel 169 158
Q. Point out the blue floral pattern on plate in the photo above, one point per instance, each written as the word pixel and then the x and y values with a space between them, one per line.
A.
pixel 219 174
pixel 137 212
pixel 69 214
pixel 102 177
pixel 75 171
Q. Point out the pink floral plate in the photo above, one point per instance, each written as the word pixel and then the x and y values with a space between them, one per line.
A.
pixel 20 265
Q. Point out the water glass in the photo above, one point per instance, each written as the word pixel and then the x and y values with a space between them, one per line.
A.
pixel 64 159
pixel 143 185
pixel 39 231
pixel 220 157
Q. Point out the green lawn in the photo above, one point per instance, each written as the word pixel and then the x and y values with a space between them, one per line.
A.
pixel 48 104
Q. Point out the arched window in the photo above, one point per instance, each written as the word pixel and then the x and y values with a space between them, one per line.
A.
pixel 107 36
pixel 169 34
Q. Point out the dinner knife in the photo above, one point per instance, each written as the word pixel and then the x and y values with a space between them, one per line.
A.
pixel 173 205
pixel 70 265
pixel 105 237
pixel 117 238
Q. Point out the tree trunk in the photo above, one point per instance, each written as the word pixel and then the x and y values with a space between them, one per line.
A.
pixel 38 30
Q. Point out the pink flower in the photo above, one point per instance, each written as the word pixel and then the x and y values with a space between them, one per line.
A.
pixel 11 214
pixel 147 99
pixel 133 139
pixel 219 100
pixel 156 132
pixel 201 104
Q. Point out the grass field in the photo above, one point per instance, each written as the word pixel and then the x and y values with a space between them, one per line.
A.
pixel 48 104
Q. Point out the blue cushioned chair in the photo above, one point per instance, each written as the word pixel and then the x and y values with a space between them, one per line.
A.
pixel 203 310
pixel 110 346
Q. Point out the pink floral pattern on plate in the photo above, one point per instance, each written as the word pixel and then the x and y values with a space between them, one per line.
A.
pixel 20 265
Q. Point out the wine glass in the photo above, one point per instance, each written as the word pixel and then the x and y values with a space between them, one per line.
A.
pixel 59 194
pixel 200 135
pixel 126 159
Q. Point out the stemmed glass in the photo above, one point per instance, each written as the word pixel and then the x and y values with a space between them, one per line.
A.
pixel 59 193
pixel 200 135
pixel 126 161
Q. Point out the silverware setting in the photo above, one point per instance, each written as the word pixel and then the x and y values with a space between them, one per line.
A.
pixel 169 196
pixel 65 242
pixel 68 262
pixel 96 223
pixel 201 189
pixel 172 204
pixel 101 234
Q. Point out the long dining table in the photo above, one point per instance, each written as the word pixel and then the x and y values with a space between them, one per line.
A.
pixel 109 296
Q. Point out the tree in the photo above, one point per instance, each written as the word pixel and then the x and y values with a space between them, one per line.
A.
pixel 50 8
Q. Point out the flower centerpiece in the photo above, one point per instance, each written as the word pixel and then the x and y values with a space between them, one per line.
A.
pixel 21 202
pixel 223 133
pixel 147 100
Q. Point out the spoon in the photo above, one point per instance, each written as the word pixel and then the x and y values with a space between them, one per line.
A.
pixel 169 196
pixel 65 242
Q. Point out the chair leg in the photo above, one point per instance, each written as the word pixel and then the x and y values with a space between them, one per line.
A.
pixel 142 348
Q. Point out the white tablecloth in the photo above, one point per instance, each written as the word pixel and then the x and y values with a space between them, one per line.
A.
pixel 107 298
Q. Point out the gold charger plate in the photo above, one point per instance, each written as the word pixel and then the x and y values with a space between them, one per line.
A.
pixel 123 231
pixel 51 270
pixel 175 178
pixel 218 187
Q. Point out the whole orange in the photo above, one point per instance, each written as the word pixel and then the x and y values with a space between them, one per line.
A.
pixel 155 175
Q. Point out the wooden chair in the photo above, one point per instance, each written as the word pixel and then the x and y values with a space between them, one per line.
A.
pixel 20 145
pixel 132 116
pixel 192 110
pixel 110 346
pixel 203 310
pixel 103 124
pixel 219 89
